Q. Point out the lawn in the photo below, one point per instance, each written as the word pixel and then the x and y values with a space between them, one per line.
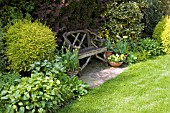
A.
pixel 143 88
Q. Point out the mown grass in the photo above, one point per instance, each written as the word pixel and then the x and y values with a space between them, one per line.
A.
pixel 143 88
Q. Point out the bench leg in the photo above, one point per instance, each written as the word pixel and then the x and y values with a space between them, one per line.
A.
pixel 103 59
pixel 84 65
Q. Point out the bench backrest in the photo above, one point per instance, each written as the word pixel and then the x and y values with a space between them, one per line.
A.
pixel 81 39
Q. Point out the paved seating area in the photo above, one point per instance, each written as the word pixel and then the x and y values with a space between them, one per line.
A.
pixel 97 72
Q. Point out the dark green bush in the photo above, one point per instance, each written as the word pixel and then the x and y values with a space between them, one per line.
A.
pixel 3 59
pixel 41 94
pixel 14 10
pixel 28 42
pixel 162 33
pixel 124 20
pixel 153 14
pixel 74 15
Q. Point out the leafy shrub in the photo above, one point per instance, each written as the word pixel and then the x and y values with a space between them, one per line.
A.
pixel 142 55
pixel 14 10
pixel 146 48
pixel 121 47
pixel 131 58
pixel 41 94
pixel 3 59
pixel 124 20
pixel 28 42
pixel 152 46
pixel 161 32
pixel 46 68
pixel 6 79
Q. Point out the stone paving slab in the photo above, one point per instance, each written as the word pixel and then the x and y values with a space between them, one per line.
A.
pixel 96 73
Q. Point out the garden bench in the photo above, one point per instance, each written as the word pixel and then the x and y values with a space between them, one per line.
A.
pixel 88 44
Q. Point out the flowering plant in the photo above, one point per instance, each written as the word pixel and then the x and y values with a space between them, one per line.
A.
pixel 116 58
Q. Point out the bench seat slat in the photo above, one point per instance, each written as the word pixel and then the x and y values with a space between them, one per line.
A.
pixel 91 51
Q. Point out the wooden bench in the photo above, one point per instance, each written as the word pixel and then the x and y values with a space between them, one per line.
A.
pixel 87 42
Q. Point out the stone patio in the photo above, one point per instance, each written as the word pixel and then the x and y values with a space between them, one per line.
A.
pixel 97 72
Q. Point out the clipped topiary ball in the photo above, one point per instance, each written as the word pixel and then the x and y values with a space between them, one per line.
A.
pixel 28 42
pixel 162 33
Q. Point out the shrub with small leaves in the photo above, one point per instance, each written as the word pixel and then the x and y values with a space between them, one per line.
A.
pixel 124 20
pixel 28 42
pixel 162 33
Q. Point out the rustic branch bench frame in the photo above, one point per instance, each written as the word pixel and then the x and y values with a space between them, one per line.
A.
pixel 84 41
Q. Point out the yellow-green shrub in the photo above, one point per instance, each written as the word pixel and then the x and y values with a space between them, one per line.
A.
pixel 28 42
pixel 162 33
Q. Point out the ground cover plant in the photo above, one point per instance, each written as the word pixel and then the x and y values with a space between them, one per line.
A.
pixel 143 88
pixel 48 88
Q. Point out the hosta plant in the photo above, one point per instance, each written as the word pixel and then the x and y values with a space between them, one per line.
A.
pixel 40 94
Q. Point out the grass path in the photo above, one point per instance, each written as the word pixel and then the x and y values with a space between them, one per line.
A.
pixel 143 88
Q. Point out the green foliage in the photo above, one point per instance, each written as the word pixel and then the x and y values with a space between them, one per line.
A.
pixel 41 94
pixel 142 55
pixel 74 15
pixel 124 20
pixel 121 47
pixel 109 45
pixel 153 14
pixel 14 10
pixel 35 94
pixel 70 59
pixel 161 32
pixel 28 42
pixel 152 46
pixel 3 59
pixel 160 27
pixel 131 58
pixel 6 79
pixel 46 68
pixel 146 48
